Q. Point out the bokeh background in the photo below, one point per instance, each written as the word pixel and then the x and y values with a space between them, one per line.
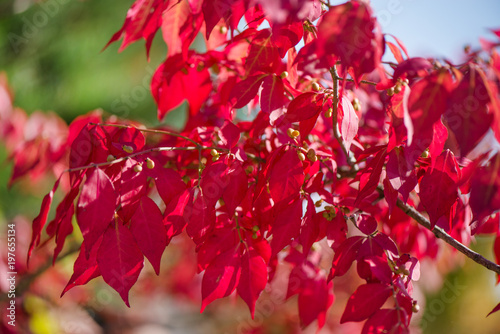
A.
pixel 51 52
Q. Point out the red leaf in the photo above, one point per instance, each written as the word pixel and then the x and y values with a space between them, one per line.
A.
pixel 467 114
pixel 120 260
pixel 314 300
pixel 315 294
pixel 262 54
pixel 438 189
pixel 485 189
pixel 41 219
pixel 367 224
pixel 180 27
pixel 169 184
pixel 351 32
pixel 386 321
pixel 400 176
pixel 349 122
pixel 91 145
pixel 129 136
pixel 246 90
pixel 253 278
pixel 371 176
pixel 133 186
pixel 199 215
pixel 214 182
pixel 427 102
pixel 379 268
pixel 366 300
pixel 237 186
pixel 395 51
pixel 286 178
pixel 143 20
pixel 229 134
pixel 173 83
pixel 440 134
pixel 229 10
pixel 412 67
pixel 345 256
pixel 174 215
pixel 309 227
pixel 146 225
pixel 286 226
pixel 64 228
pixel 286 36
pixel 495 309
pixel 272 95
pixel 304 106
pixel 220 278
pixel 96 207
pixel 84 269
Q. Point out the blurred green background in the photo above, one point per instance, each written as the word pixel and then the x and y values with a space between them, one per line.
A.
pixel 52 55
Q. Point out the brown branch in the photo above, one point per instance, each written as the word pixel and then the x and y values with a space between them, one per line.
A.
pixel 441 234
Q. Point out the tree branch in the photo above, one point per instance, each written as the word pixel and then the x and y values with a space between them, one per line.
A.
pixel 335 77
pixel 441 234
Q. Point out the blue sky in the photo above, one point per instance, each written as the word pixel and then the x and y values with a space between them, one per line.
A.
pixel 433 28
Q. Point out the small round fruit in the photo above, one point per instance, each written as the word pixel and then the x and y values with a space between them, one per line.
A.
pixel 356 104
pixel 137 168
pixel 315 86
pixel 150 163
pixel 415 308
pixel 214 153
pixel 128 149
pixel 390 91
pixel 295 133
pixel 110 158
pixel 283 74
pixel 329 112
pixel 311 155
pixel 397 88
pixel 301 155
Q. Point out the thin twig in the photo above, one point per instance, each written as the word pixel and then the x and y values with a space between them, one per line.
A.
pixel 335 102
pixel 441 234
pixel 165 132
pixel 154 149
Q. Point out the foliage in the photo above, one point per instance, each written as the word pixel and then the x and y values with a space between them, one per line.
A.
pixel 283 152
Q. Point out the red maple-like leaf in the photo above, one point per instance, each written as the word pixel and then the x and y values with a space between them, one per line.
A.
pixel 85 268
pixel 143 21
pixel 438 187
pixel 120 260
pixel 173 83
pixel 366 300
pixel 351 32
pixel 485 189
pixel 96 206
pixel 146 225
pixel 467 115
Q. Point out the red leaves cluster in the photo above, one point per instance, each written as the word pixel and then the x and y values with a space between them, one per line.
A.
pixel 276 158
